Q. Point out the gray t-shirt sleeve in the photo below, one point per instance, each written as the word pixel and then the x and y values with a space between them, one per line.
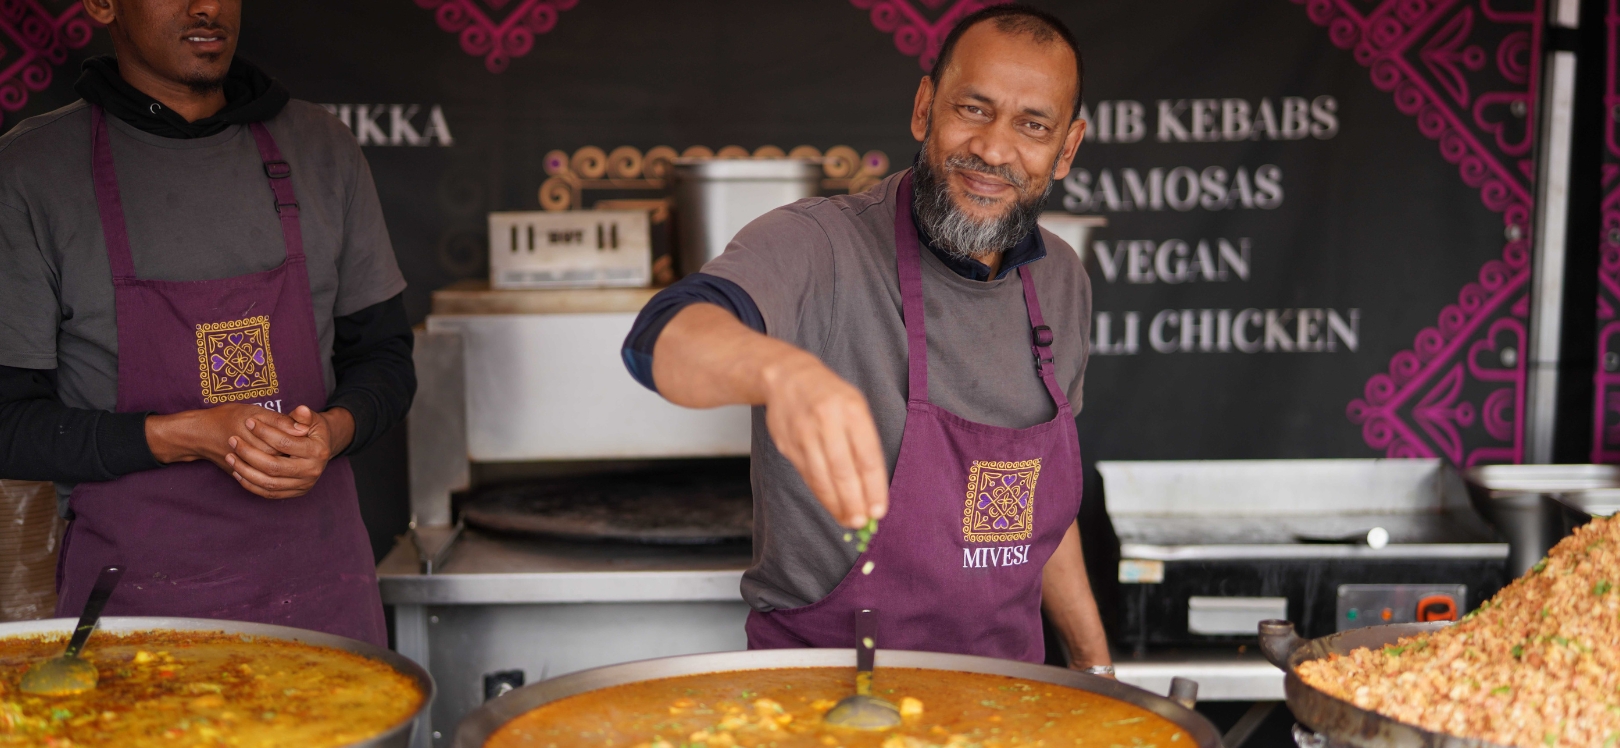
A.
pixel 784 261
pixel 29 314
pixel 368 272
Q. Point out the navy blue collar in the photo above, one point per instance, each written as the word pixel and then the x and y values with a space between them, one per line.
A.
pixel 1029 249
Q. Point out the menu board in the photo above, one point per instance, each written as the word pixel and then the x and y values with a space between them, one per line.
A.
pixel 1317 239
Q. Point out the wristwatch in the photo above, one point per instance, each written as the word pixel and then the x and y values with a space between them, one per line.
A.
pixel 1100 670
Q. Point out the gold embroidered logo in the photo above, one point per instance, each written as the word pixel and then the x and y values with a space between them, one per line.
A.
pixel 1000 501
pixel 235 360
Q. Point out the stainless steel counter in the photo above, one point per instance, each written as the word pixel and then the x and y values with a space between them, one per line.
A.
pixel 500 609
pixel 491 570
pixel 1222 675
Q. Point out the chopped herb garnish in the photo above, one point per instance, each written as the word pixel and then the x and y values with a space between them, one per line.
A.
pixel 1501 690
pixel 1539 567
pixel 1602 587
pixel 1517 651
pixel 863 536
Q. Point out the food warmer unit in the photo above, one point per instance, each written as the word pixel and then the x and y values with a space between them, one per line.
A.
pixel 563 517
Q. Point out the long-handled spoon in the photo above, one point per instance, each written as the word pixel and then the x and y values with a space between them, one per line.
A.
pixel 67 673
pixel 863 711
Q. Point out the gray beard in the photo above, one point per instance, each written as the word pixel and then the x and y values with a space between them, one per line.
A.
pixel 954 232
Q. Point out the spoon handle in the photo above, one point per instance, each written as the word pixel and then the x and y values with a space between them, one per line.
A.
pixel 866 629
pixel 105 583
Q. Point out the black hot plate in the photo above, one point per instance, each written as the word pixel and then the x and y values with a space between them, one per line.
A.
pixel 678 506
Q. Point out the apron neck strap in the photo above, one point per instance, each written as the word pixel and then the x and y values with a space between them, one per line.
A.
pixel 908 256
pixel 110 202
pixel 1041 338
pixel 279 172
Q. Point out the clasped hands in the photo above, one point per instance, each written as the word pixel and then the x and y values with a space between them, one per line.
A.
pixel 273 455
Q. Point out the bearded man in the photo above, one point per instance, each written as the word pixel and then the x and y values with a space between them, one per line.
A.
pixel 915 354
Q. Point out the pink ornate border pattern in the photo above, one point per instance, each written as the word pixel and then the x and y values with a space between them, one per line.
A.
pixel 33 42
pixel 915 35
pixel 1458 393
pixel 1606 409
pixel 497 41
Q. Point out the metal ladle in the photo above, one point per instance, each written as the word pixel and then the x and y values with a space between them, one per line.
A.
pixel 863 711
pixel 67 673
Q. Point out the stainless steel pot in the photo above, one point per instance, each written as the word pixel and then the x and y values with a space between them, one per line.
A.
pixel 480 724
pixel 398 736
pixel 1340 723
pixel 1535 506
pixel 716 198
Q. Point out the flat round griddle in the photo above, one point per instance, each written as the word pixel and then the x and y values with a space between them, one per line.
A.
pixel 683 506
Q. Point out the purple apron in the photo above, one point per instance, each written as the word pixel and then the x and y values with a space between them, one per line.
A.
pixel 195 542
pixel 974 513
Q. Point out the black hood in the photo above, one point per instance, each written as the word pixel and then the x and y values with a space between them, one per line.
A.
pixel 250 96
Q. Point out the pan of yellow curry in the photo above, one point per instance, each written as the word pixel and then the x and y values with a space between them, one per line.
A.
pixel 777 699
pixel 191 682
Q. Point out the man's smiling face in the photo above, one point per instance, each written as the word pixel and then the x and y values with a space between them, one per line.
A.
pixel 997 128
pixel 190 42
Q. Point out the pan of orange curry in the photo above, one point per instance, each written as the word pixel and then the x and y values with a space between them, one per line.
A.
pixel 776 699
pixel 186 682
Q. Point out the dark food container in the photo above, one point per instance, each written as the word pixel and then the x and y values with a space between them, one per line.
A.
pixel 1333 723
pixel 1535 506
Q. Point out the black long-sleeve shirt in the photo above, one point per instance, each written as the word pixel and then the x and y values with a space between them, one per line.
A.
pixel 43 439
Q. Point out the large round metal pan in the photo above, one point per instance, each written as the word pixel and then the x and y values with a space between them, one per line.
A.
pixel 1341 723
pixel 397 736
pixel 483 722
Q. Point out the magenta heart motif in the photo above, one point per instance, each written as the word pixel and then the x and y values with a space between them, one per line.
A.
pixel 919 26
pixel 488 29
pixel 36 43
pixel 1435 59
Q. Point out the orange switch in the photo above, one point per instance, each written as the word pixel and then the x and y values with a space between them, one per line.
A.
pixel 1388 614
pixel 1436 608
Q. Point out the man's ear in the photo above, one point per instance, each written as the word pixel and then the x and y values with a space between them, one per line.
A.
pixel 920 107
pixel 101 11
pixel 1071 143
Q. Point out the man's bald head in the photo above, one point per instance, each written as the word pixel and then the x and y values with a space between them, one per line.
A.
pixel 1021 20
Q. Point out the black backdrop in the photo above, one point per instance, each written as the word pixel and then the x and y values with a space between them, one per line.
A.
pixel 1374 211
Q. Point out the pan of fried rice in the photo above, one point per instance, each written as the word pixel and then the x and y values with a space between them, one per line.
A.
pixel 1536 666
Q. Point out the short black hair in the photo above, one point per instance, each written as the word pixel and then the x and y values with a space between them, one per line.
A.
pixel 1017 19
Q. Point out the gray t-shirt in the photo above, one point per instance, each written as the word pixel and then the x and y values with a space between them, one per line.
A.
pixel 196 209
pixel 822 272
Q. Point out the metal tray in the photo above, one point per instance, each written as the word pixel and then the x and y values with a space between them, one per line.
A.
pixel 1337 722
pixel 483 722
pixel 398 736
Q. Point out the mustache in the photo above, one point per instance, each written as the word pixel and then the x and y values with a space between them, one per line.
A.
pixel 970 162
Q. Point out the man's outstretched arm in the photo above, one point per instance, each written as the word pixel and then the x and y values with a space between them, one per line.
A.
pixel 706 358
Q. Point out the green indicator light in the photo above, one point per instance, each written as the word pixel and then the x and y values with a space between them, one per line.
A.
pixel 1351 614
